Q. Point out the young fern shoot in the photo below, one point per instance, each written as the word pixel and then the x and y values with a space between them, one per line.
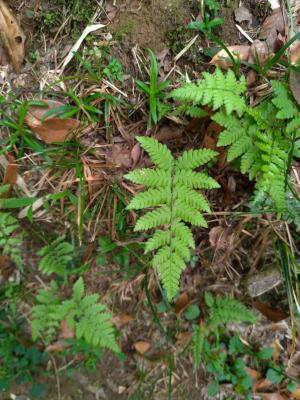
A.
pixel 174 203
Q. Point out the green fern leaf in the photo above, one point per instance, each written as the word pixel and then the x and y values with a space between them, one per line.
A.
pixel 195 158
pixel 150 198
pixel 175 202
pixel 215 90
pixel 10 239
pixel 55 257
pixel 152 219
pixel 149 177
pixel 159 154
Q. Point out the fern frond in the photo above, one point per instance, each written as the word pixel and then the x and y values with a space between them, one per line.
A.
pixel 216 90
pixel 198 337
pixel 88 318
pixel 10 239
pixel 175 202
pixel 55 257
pixel 225 309
pixel 159 154
pixel 282 100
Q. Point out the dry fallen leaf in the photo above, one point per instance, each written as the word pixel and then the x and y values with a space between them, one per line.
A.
pixel 220 238
pixel 222 59
pixel 50 130
pixel 272 26
pixel 273 314
pixel 12 36
pixel 263 384
pixel 142 347
pixel 271 396
pixel 58 346
pixel 296 393
pixel 253 373
pixel 182 301
pixel 295 52
pixel 135 154
pixel 10 176
pixel 65 331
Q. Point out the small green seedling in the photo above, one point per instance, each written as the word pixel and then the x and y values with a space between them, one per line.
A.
pixel 155 91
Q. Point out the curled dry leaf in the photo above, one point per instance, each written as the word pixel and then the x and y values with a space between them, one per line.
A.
pixel 50 130
pixel 10 176
pixel 135 154
pixel 142 347
pixel 222 59
pixel 12 36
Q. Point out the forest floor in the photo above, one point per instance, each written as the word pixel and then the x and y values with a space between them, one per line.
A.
pixel 81 193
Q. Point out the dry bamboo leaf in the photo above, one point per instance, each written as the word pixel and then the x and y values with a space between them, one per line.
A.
pixel 50 130
pixel 12 36
pixel 222 59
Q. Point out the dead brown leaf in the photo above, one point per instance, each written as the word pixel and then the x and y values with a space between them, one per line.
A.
pixel 6 268
pixel 253 373
pixel 294 83
pixel 272 26
pixel 58 346
pixel 168 132
pixel 142 347
pixel 295 52
pixel 50 130
pixel 135 154
pixel 222 59
pixel 263 384
pixel 65 331
pixel 10 176
pixel 182 301
pixel 12 36
pixel 271 396
pixel 273 314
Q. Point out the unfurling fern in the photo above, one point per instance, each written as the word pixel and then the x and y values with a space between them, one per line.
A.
pixel 10 239
pixel 83 314
pixel 56 256
pixel 174 202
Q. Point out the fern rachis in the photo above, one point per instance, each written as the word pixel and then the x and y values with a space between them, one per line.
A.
pixel 171 192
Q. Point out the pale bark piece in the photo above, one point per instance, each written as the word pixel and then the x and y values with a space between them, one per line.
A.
pixel 51 129
pixel 243 14
pixel 12 36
